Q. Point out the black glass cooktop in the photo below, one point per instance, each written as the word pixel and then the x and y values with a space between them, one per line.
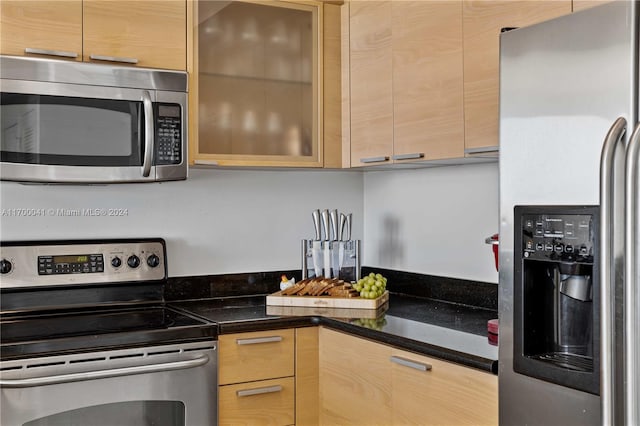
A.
pixel 49 333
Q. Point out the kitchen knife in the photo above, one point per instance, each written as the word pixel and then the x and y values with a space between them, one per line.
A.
pixel 317 244
pixel 343 221
pixel 326 249
pixel 334 243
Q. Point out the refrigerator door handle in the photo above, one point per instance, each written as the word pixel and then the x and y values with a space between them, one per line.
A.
pixel 608 193
pixel 630 277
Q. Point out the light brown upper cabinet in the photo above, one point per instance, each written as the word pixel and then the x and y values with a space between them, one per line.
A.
pixel 427 80
pixel 41 28
pixel 371 82
pixel 148 33
pixel 142 33
pixel 405 78
pixel 258 83
pixel 586 4
pixel 483 21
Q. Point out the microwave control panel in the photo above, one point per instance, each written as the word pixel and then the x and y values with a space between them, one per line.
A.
pixel 168 134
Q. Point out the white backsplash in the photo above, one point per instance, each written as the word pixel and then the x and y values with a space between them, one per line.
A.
pixel 433 221
pixel 215 222
pixel 430 221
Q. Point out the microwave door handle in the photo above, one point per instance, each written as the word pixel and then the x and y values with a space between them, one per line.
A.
pixel 608 193
pixel 149 137
pixel 630 291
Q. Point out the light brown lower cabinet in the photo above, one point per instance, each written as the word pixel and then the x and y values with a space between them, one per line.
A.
pixel 429 391
pixel 307 376
pixel 268 377
pixel 266 402
pixel 314 375
pixel 363 382
pixel 256 378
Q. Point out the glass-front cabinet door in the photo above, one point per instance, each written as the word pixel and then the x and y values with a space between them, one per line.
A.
pixel 258 94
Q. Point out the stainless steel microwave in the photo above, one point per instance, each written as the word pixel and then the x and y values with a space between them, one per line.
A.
pixel 72 122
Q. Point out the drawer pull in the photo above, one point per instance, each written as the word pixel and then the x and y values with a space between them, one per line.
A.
pixel 488 151
pixel 51 52
pixel 258 340
pixel 374 159
pixel 413 156
pixel 411 364
pixel 113 59
pixel 259 391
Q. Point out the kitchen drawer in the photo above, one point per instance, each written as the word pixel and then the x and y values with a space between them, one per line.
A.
pixel 430 391
pixel 245 357
pixel 267 402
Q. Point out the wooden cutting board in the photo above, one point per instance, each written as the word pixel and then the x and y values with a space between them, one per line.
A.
pixel 345 313
pixel 277 299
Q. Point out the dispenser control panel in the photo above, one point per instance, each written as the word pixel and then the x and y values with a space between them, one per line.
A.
pixel 556 235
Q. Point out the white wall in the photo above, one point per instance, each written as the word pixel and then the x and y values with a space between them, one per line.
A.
pixel 218 221
pixel 432 221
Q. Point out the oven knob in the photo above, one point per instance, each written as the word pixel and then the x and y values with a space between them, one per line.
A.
pixel 5 266
pixel 153 260
pixel 116 262
pixel 133 261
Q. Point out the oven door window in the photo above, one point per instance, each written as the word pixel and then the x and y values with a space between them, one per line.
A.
pixel 68 131
pixel 131 413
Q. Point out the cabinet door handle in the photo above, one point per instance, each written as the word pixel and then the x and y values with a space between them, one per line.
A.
pixel 257 340
pixel 412 156
pixel 258 391
pixel 411 364
pixel 487 151
pixel 374 159
pixel 61 53
pixel 114 59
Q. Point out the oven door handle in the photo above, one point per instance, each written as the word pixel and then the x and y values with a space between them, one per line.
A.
pixel 103 374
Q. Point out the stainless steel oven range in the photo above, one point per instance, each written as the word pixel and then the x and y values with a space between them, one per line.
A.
pixel 85 338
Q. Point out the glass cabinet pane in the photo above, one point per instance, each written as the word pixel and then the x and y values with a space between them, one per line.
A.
pixel 257 78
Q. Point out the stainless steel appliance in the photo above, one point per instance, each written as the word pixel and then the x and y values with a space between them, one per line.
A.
pixel 569 138
pixel 71 122
pixel 85 338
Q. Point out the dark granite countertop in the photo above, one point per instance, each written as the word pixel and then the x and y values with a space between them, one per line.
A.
pixel 450 331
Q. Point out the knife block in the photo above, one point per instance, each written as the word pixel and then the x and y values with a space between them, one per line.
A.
pixel 343 263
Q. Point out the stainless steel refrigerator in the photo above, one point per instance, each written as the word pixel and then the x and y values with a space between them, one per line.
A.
pixel 569 244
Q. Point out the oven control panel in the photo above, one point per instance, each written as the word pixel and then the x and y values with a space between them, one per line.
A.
pixel 67 263
pixel 71 264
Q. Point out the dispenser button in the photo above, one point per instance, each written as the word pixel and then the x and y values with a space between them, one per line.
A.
pixel 568 248
pixel 559 248
pixel 539 247
pixel 548 247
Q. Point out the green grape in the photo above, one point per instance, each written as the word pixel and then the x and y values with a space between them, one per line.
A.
pixel 371 286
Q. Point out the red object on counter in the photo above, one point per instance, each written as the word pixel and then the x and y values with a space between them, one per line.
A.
pixel 492 331
pixel 494 241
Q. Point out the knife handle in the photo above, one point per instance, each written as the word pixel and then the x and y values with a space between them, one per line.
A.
pixel 325 224
pixel 334 224
pixel 349 217
pixel 343 221
pixel 316 223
